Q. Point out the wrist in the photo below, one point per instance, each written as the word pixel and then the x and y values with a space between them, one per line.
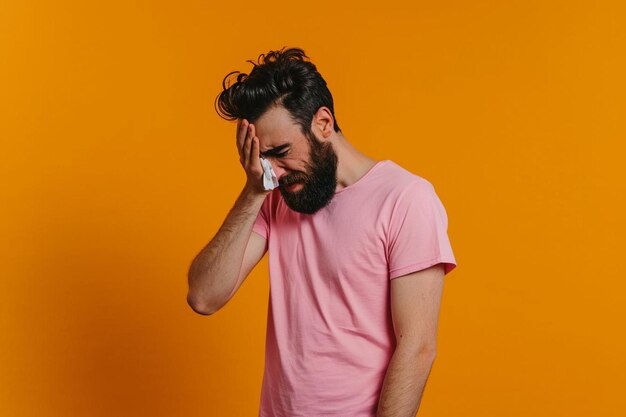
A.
pixel 254 192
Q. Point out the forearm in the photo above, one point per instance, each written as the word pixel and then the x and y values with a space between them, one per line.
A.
pixel 215 270
pixel 404 382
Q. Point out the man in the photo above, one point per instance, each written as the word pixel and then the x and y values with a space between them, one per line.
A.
pixel 358 249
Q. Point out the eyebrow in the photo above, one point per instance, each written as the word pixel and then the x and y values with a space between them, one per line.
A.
pixel 274 150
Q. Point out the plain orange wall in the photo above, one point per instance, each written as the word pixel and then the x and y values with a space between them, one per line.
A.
pixel 116 171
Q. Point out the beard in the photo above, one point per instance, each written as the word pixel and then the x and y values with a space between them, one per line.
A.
pixel 318 183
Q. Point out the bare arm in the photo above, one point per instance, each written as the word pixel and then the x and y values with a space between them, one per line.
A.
pixel 216 272
pixel 415 304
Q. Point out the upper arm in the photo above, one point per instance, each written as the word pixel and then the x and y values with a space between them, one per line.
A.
pixel 415 302
pixel 255 249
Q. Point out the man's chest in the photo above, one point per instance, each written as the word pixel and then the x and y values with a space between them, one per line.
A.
pixel 339 242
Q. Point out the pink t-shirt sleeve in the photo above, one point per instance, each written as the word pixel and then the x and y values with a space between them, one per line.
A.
pixel 261 224
pixel 417 236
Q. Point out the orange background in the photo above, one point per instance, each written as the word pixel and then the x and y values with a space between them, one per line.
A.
pixel 116 171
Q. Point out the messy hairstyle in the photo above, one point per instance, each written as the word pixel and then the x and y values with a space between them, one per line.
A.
pixel 286 78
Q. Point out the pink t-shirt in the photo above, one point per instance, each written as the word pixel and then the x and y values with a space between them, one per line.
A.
pixel 329 331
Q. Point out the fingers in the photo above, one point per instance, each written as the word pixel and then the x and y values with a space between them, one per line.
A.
pixel 242 128
pixel 253 140
pixel 248 144
pixel 255 151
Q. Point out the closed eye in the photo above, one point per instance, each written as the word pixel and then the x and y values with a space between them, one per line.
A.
pixel 280 155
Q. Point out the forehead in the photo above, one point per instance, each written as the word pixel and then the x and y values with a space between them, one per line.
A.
pixel 276 127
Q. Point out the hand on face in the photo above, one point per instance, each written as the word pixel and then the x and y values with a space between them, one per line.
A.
pixel 248 148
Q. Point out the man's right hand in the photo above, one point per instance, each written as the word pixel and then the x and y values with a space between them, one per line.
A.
pixel 248 147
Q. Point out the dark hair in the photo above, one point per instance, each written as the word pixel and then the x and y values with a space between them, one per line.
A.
pixel 284 77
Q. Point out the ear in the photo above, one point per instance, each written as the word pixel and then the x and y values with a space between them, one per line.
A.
pixel 323 123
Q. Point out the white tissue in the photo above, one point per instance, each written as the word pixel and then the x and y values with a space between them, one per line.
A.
pixel 269 176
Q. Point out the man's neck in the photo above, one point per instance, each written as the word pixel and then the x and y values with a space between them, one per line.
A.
pixel 351 164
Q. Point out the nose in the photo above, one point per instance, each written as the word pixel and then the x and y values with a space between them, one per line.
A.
pixel 280 172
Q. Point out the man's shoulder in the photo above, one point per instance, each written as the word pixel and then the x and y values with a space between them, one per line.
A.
pixel 399 179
